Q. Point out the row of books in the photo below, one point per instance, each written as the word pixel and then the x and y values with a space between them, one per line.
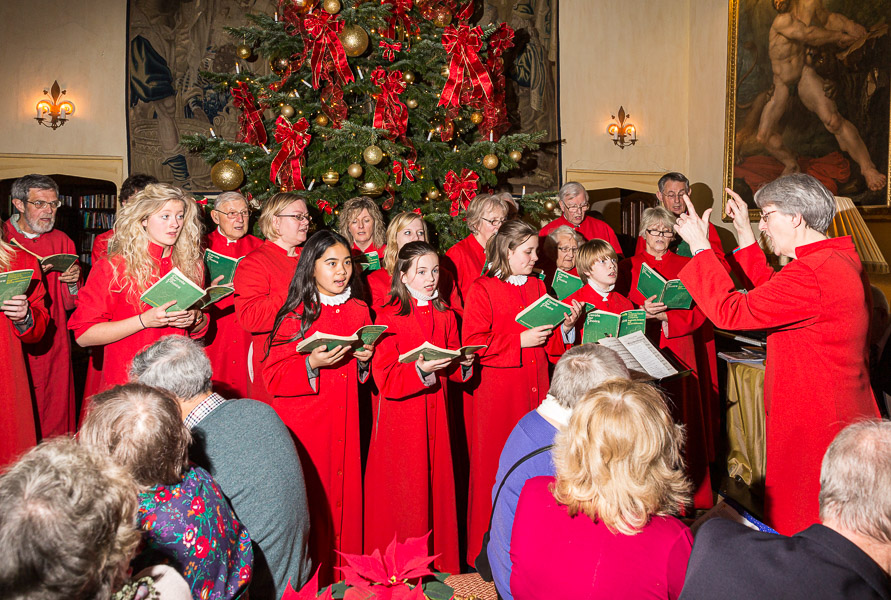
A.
pixel 92 220
pixel 104 201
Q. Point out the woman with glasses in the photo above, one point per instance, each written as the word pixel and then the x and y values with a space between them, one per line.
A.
pixel 262 278
pixel 559 249
pixel 227 341
pixel 688 337
pixel 573 199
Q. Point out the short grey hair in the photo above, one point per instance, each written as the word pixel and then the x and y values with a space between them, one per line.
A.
pixel 855 480
pixel 673 176
pixel 174 363
pixel 572 189
pixel 656 215
pixel 581 369
pixel 226 198
pixel 22 185
pixel 800 194
pixel 553 239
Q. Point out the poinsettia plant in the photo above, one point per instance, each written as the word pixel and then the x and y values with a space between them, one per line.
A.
pixel 395 575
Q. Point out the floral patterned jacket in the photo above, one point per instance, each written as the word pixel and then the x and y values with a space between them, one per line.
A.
pixel 190 527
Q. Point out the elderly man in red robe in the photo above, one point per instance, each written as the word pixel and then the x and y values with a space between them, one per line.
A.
pixel 227 341
pixel 36 198
pixel 574 203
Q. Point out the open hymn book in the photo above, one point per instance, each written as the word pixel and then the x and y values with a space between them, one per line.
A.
pixel 433 352
pixel 367 334
pixel 641 357
pixel 176 286
pixel 57 262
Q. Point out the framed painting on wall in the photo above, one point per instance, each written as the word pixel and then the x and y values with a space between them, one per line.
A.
pixel 808 91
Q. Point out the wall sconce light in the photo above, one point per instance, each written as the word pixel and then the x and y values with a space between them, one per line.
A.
pixel 623 132
pixel 54 113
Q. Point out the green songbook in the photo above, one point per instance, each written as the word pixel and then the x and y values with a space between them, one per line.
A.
pixel 432 352
pixel 15 283
pixel 565 284
pixel 370 261
pixel 367 334
pixel 538 273
pixel 547 310
pixel 218 264
pixel 58 262
pixel 176 286
pixel 672 293
pixel 600 324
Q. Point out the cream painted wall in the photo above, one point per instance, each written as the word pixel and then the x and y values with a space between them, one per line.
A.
pixel 82 44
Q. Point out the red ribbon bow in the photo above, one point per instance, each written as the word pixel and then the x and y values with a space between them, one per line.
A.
pixel 252 130
pixel 287 163
pixel 324 205
pixel 463 44
pixel 501 40
pixel 460 190
pixel 390 113
pixel 389 50
pixel 202 201
pixel 400 10
pixel 323 29
pixel 407 170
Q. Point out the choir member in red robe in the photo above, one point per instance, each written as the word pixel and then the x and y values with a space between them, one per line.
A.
pixel 317 394
pixel 409 483
pixel 159 230
pixel 513 366
pixel 360 221
pixel 36 198
pixel 23 319
pixel 573 203
pixel 816 310
pixel 227 341
pixel 262 278
pixel 689 338
pixel 559 250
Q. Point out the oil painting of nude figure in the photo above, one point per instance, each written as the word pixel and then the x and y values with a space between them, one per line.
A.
pixel 809 92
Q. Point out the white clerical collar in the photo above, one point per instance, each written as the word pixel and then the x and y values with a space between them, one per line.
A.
pixel 15 224
pixel 603 294
pixel 516 280
pixel 335 300
pixel 554 411
pixel 225 237
pixel 423 300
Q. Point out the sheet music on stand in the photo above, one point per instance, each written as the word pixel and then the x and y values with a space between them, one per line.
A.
pixel 640 356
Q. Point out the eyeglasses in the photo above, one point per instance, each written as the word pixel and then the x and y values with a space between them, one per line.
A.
pixel 41 203
pixel 493 222
pixel 765 215
pixel 673 196
pixel 244 214
pixel 658 233
pixel 576 207
pixel 606 261
pixel 301 218
pixel 568 249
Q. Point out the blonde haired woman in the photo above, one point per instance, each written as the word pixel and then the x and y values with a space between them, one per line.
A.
pixel 159 230
pixel 23 319
pixel 604 527
pixel 362 224
pixel 263 275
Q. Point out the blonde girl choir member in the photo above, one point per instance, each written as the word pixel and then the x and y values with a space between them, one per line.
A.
pixel 409 484
pixel 514 365
pixel 362 224
pixel 317 394
pixel 23 319
pixel 159 229
pixel 262 278
pixel 688 337
pixel 227 341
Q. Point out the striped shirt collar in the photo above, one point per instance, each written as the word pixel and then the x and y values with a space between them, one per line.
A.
pixel 200 412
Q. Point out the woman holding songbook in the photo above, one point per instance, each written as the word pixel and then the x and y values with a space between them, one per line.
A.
pixel 513 366
pixel 360 221
pixel 157 231
pixel 23 319
pixel 409 482
pixel 316 394
pixel 686 336
pixel 560 248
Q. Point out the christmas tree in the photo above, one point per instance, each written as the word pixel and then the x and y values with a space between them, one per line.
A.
pixel 399 100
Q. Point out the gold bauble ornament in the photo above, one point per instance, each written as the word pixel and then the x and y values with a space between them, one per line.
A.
pixel 355 170
pixel 321 120
pixel 303 6
pixel 411 103
pixel 476 118
pixel 515 155
pixel 550 205
pixel 442 17
pixel 354 40
pixel 373 155
pixel 408 77
pixel 227 175
pixel 287 111
pixel 243 51
pixel 279 65
pixel 332 7
pixel 490 161
pixel 433 193
pixel 331 177
pixel 370 189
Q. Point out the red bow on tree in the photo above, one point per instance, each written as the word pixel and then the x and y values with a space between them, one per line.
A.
pixel 389 50
pixel 322 29
pixel 390 113
pixel 407 170
pixel 460 190
pixel 202 201
pixel 325 205
pixel 252 130
pixel 400 16
pixel 333 105
pixel 286 164
pixel 463 44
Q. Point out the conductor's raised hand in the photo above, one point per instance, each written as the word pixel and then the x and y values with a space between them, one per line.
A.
pixel 537 336
pixel 158 317
pixel 327 358
pixel 692 228
pixel 739 212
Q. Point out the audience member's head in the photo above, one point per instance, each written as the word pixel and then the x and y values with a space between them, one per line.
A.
pixel 141 428
pixel 175 364
pixel 135 184
pixel 581 369
pixel 67 524
pixel 620 458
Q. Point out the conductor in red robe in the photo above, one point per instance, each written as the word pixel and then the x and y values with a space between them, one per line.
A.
pixel 36 198
pixel 816 310
pixel 227 341
pixel 574 203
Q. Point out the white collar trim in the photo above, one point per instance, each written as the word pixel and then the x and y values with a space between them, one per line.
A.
pixel 554 411
pixel 516 280
pixel 603 294
pixel 335 300
pixel 422 299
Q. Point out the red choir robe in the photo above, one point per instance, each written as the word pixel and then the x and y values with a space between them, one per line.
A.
pixel 590 228
pixel 102 301
pixel 227 341
pixel 94 366
pixel 261 288
pixel 323 416
pixel 100 245
pixel 409 480
pixel 690 339
pixel 465 262
pixel 49 360
pixel 17 428
pixel 359 253
pixel 512 382
pixel 714 241
pixel 817 378
pixel 614 303
pixel 379 282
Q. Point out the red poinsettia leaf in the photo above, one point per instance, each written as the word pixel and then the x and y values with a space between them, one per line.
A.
pixel 360 593
pixel 307 592
pixel 408 560
pixel 364 569
pixel 405 593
